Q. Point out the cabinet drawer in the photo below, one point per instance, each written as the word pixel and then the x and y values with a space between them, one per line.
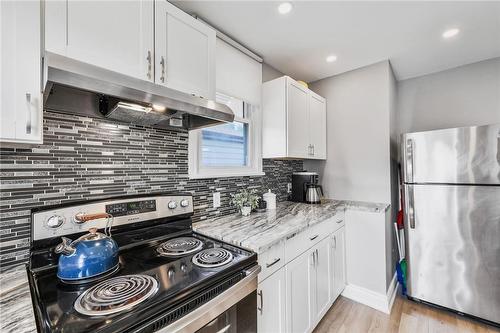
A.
pixel 299 243
pixel 338 221
pixel 271 260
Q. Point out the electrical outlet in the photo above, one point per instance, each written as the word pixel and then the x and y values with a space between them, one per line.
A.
pixel 216 199
pixel 289 188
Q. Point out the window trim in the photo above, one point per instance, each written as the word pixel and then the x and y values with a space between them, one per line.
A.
pixel 195 171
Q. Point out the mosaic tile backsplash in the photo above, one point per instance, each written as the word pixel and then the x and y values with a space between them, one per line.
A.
pixel 92 158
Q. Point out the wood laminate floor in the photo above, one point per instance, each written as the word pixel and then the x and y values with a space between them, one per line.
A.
pixel 406 317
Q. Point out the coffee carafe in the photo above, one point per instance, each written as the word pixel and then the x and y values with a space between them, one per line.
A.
pixel 313 193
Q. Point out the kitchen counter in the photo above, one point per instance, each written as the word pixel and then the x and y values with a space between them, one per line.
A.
pixel 259 231
pixel 16 310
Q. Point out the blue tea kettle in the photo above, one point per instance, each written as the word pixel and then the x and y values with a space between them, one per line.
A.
pixel 88 256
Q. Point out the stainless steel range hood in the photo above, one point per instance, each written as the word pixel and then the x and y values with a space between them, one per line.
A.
pixel 75 87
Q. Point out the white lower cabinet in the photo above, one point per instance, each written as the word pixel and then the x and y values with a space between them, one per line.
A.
pixel 299 282
pixel 271 303
pixel 322 279
pixel 297 296
pixel 338 280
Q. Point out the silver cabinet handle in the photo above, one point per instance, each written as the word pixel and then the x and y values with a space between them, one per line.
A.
pixel 162 63
pixel 340 221
pixel 148 58
pixel 314 258
pixel 28 113
pixel 312 146
pixel 314 237
pixel 317 256
pixel 261 295
pixel 274 262
pixel 334 242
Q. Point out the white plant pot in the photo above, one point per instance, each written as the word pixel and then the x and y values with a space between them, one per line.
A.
pixel 245 211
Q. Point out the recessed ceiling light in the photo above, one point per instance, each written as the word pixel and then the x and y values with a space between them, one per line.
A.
pixel 450 33
pixel 331 58
pixel 285 8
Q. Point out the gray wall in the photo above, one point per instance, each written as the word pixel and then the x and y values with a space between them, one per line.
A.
pixel 358 134
pixel 270 73
pixel 463 96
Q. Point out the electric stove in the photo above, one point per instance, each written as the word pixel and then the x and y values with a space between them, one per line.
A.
pixel 168 278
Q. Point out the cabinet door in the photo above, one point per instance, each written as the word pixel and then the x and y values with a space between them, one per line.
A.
pixel 322 276
pixel 185 51
pixel 339 280
pixel 271 303
pixel 20 72
pixel 317 126
pixel 297 120
pixel 115 35
pixel 299 297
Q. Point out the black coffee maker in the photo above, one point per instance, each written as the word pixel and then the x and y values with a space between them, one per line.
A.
pixel 300 180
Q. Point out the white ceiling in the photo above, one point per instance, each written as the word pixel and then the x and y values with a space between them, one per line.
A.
pixel 408 33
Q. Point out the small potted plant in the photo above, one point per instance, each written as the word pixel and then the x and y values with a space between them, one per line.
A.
pixel 245 201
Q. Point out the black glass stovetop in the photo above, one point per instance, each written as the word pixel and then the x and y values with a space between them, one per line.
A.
pixel 178 280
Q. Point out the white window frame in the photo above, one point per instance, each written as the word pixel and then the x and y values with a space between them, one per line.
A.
pixel 254 167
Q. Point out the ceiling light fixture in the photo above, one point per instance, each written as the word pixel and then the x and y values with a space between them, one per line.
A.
pixel 331 58
pixel 450 33
pixel 285 8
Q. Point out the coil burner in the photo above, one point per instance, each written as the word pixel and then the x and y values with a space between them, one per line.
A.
pixel 213 257
pixel 180 246
pixel 116 294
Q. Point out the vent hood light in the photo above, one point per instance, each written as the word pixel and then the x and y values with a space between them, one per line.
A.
pixel 132 107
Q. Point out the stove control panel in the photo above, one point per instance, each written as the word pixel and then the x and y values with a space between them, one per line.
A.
pixel 58 222
pixel 131 207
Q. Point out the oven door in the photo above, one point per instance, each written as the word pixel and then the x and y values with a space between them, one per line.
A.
pixel 235 310
pixel 240 318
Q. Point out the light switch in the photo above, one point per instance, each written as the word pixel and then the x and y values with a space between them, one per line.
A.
pixel 216 199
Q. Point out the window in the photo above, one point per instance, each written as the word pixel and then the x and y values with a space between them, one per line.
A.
pixel 231 149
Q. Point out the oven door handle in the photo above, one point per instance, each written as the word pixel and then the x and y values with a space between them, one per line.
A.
pixel 203 315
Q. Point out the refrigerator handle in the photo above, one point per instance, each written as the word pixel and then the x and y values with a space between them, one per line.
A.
pixel 410 167
pixel 411 211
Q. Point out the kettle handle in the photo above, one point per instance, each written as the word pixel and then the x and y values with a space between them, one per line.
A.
pixel 321 188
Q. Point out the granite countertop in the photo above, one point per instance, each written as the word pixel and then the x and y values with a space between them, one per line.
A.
pixel 16 310
pixel 259 231
pixel 256 232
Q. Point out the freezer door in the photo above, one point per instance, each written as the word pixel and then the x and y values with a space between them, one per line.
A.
pixel 466 155
pixel 453 247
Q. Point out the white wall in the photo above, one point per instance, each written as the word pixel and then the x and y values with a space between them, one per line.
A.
pixel 463 96
pixel 358 135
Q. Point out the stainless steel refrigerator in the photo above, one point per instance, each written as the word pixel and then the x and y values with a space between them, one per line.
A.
pixel 452 218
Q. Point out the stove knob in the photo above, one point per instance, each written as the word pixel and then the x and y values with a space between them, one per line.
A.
pixel 184 202
pixel 172 205
pixel 55 221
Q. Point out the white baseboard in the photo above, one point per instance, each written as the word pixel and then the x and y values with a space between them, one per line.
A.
pixel 373 299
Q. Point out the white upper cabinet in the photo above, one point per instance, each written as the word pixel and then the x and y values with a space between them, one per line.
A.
pixel 185 51
pixel 294 121
pixel 20 72
pixel 297 120
pixel 115 35
pixel 317 126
